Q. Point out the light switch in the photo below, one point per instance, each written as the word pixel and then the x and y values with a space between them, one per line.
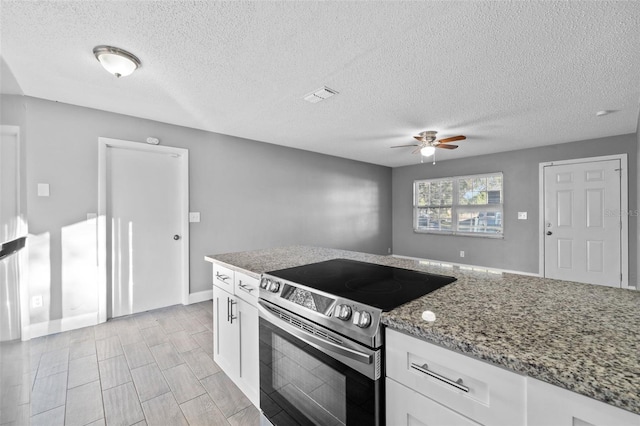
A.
pixel 194 216
pixel 522 215
pixel 43 190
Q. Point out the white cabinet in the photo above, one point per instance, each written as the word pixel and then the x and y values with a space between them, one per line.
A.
pixel 431 385
pixel 235 328
pixel 549 405
pixel 248 373
pixel 468 388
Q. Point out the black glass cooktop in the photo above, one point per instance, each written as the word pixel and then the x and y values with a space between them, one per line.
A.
pixel 380 286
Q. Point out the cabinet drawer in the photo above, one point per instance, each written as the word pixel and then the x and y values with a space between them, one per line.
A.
pixel 406 407
pixel 246 287
pixel 485 393
pixel 223 277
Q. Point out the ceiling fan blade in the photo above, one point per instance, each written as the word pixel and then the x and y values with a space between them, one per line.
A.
pixel 417 150
pixel 420 138
pixel 404 146
pixel 452 139
pixel 442 145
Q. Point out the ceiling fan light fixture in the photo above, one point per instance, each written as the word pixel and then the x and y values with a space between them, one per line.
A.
pixel 117 61
pixel 427 151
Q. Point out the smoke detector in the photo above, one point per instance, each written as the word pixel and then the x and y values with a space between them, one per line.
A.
pixel 320 95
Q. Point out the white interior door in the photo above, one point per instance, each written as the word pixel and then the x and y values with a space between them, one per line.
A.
pixel 582 219
pixel 145 221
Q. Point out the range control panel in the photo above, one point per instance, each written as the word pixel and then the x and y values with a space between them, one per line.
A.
pixel 355 320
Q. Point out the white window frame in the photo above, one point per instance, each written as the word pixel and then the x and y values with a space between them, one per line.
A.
pixel 457 208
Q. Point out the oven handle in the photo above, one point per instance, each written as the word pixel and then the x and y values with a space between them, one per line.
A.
pixel 314 341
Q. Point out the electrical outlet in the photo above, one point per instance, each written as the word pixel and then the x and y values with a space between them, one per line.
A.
pixel 194 217
pixel 36 301
pixel 461 253
pixel 522 215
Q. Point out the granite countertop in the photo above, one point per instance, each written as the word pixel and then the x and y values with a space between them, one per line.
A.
pixel 581 337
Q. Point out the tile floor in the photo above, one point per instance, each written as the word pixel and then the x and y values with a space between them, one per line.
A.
pixel 153 368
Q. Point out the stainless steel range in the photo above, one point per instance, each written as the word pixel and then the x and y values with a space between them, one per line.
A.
pixel 321 342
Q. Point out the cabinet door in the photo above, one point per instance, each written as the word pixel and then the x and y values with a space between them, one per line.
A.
pixel 226 343
pixel 552 405
pixel 406 407
pixel 249 376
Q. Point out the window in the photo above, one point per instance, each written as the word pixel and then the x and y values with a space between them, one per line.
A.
pixel 461 205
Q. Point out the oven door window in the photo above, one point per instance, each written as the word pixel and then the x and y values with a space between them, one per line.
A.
pixel 300 384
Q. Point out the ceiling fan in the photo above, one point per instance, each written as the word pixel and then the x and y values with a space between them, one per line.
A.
pixel 428 143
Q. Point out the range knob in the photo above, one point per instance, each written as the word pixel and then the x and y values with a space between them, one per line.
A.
pixel 344 312
pixel 264 283
pixel 362 319
pixel 274 286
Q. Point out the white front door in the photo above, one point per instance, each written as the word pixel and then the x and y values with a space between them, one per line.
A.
pixel 145 225
pixel 582 222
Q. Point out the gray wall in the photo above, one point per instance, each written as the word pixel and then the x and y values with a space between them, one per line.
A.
pixel 253 195
pixel 518 251
pixel 637 211
pixel 250 195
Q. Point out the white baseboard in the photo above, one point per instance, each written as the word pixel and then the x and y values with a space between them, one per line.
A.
pixel 200 296
pixel 59 325
pixel 66 324
pixel 466 266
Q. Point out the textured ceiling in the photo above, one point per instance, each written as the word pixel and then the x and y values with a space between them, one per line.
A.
pixel 509 75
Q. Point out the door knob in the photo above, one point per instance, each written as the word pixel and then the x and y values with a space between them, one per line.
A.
pixel 549 232
pixel 176 237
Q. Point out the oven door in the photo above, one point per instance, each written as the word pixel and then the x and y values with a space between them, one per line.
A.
pixel 312 376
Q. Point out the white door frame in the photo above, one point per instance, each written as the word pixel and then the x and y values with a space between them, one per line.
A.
pixel 624 207
pixel 103 144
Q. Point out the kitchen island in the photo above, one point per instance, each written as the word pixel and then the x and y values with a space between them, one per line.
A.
pixel 580 337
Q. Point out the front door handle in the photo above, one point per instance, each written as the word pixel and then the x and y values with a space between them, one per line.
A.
pixel 176 237
pixel 549 232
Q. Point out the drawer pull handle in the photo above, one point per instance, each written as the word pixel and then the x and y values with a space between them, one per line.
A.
pixel 230 303
pixel 246 287
pixel 424 368
pixel 222 277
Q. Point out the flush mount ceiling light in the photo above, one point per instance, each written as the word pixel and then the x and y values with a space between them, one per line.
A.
pixel 117 61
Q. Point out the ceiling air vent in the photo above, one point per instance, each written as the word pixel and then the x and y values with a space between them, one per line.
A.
pixel 320 95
